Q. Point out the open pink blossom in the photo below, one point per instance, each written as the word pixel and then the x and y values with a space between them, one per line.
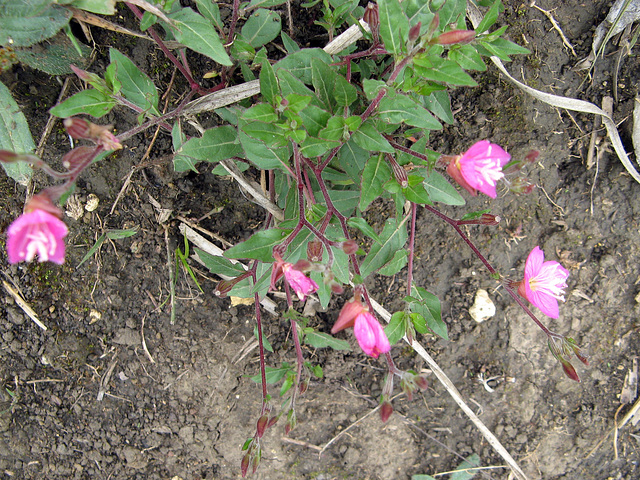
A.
pixel 367 329
pixel 300 283
pixel 479 168
pixel 544 283
pixel 36 233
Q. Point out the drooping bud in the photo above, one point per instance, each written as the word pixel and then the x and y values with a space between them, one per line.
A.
pixel 484 219
pixel 78 157
pixel 302 265
pixel 521 186
pixel 350 247
pixel 455 37
pixel 225 286
pixel 77 127
pixel 315 250
pixel 261 425
pixel 399 173
pixel 421 382
pixel 372 17
pixel 386 409
pixel 336 288
pixel 244 464
pixel 433 26
pixel 42 201
pixel 272 421
pixel 304 385
pixel 101 135
pixel 84 75
pixel 569 371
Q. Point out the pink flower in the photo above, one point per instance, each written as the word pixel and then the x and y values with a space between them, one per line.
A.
pixel 544 283
pixel 479 168
pixel 367 329
pixel 300 283
pixel 36 232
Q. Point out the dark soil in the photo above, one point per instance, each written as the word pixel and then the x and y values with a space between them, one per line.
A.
pixel 87 402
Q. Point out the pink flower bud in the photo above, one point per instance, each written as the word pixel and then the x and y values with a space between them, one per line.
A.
pixel 569 371
pixel 302 265
pixel 223 288
pixel 101 135
pixel 414 32
pixel 315 250
pixel 77 127
pixel 83 75
pixel 350 247
pixel 272 421
pixel 386 409
pixel 261 425
pixel 336 288
pixel 455 36
pixel 78 157
pixel 244 464
pixel 304 385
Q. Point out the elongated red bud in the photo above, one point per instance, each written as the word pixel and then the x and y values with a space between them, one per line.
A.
pixel 455 37
pixel 386 409
pixel 303 386
pixel 569 371
pixel 77 127
pixel 302 265
pixel 421 382
pixel 261 425
pixel 414 32
pixel 484 219
pixel 8 157
pixel 336 288
pixel 272 421
pixel 372 17
pixel 244 465
pixel 399 173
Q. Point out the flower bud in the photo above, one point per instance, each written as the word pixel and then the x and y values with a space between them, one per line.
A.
pixel 77 158
pixel 304 385
pixel 315 251
pixel 272 421
pixel 336 288
pixel 414 32
pixel 223 288
pixel 386 409
pixel 42 201
pixel 372 17
pixel 77 127
pixel 84 75
pixel 421 382
pixel 302 265
pixel 350 247
pixel 399 173
pixel 455 37
pixel 244 464
pixel 484 219
pixel 569 371
pixel 261 426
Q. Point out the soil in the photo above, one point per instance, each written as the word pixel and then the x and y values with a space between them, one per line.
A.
pixel 84 400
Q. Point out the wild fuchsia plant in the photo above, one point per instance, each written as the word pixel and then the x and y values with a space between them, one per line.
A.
pixel 333 133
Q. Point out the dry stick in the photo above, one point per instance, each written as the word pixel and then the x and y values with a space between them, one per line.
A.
pixel 566 42
pixel 630 414
pixel 172 287
pixel 23 305
pixel 144 343
pixel 455 394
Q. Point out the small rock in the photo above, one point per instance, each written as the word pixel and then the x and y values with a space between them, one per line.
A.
pixel 483 308
pixel 126 336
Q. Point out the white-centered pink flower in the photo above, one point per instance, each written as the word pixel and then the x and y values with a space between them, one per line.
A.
pixel 544 283
pixel 480 168
pixel 36 233
pixel 300 283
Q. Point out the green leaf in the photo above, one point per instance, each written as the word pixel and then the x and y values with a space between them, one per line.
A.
pixel 396 328
pixel 262 112
pixel 422 477
pixel 219 265
pixel 263 155
pixel 261 27
pixel 345 201
pixel 15 136
pixel 265 132
pixel 451 12
pixel 54 56
pixel 197 33
pixel 135 85
pixel 268 83
pixel 218 143
pixel 25 23
pixel 400 108
pixel 120 234
pixel 323 79
pixel 299 64
pixel 101 7
pixel 397 263
pixel 429 307
pixel 419 323
pixel 393 238
pixel 352 159
pixel 343 92
pixel 489 18
pixel 416 191
pixel 259 245
pixel 368 137
pixel 440 104
pixel 273 375
pixel 375 174
pixel 323 340
pixel 443 70
pixel 211 12
pixel 314 119
pixel 362 225
pixel 394 26
pixel 440 190
pixel 472 461
pixel 502 48
pixel 315 147
pixel 467 57
pixel 93 249
pixel 90 102
pixel 265 3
